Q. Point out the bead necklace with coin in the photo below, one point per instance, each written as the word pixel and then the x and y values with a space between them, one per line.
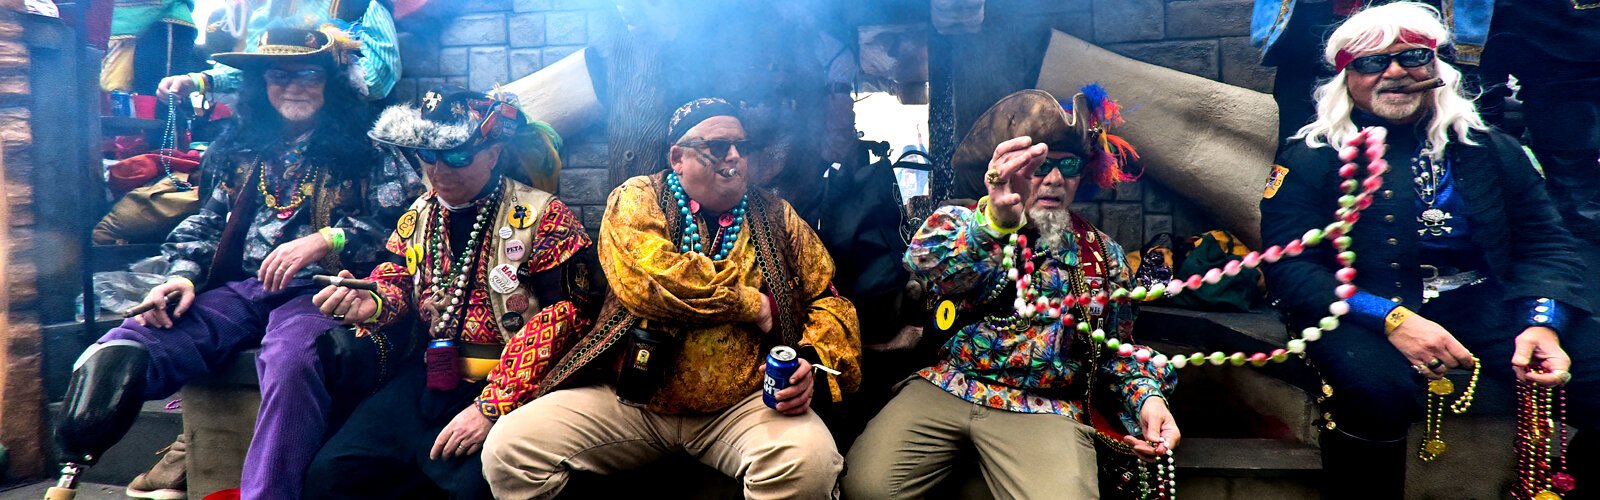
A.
pixel 298 190
pixel 1433 443
pixel 449 286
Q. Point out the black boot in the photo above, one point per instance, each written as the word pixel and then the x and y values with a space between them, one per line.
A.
pixel 1355 467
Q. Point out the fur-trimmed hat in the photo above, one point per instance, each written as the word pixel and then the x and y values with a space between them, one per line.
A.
pixel 449 117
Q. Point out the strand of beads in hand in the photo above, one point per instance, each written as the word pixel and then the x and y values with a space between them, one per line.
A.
pixel 1361 154
pixel 1540 444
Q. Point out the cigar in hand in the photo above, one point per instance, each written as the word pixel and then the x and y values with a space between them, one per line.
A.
pixel 172 297
pixel 1429 84
pixel 368 285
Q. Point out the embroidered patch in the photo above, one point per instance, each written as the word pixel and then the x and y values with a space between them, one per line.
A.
pixel 407 224
pixel 1275 181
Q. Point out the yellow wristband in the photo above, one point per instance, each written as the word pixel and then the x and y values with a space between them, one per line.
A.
pixel 987 210
pixel 199 80
pixel 335 238
pixel 1395 317
pixel 180 279
pixel 376 313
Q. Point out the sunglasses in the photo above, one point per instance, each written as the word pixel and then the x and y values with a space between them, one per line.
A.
pixel 1070 166
pixel 1377 63
pixel 304 77
pixel 454 158
pixel 719 148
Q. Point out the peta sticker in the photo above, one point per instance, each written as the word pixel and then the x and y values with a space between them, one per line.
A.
pixel 1274 181
pixel 516 250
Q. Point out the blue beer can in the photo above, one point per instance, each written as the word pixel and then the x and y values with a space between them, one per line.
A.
pixel 121 103
pixel 781 364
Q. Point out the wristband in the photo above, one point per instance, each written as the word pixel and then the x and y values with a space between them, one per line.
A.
pixel 376 313
pixel 199 80
pixel 180 279
pixel 1395 317
pixel 985 216
pixel 335 238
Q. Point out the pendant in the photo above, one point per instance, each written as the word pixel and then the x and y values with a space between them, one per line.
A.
pixel 694 207
pixel 285 214
pixel 725 220
pixel 1433 221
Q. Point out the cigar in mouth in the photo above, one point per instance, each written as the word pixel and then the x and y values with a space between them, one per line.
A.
pixel 1429 84
pixel 728 173
pixel 368 285
pixel 172 296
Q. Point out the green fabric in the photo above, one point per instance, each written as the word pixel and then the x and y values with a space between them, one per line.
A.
pixel 1232 293
pixel 134 17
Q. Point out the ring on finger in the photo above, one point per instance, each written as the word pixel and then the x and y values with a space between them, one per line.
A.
pixel 1435 363
pixel 993 178
pixel 1421 370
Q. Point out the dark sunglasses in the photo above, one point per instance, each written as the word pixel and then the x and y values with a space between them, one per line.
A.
pixel 1070 166
pixel 719 148
pixel 1377 63
pixel 454 158
pixel 305 77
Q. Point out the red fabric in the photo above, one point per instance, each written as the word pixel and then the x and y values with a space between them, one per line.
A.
pixel 228 494
pixel 137 171
pixel 1406 36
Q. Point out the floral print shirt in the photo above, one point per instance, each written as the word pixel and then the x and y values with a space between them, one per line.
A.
pixel 1002 361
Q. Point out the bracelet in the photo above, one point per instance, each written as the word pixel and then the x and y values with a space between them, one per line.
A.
pixel 1395 317
pixel 180 279
pixel 335 237
pixel 985 219
pixel 377 313
pixel 988 211
pixel 199 80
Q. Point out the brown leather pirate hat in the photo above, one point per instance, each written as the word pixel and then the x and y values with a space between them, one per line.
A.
pixel 1033 113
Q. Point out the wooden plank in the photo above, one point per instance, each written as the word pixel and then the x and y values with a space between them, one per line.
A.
pixel 1247 458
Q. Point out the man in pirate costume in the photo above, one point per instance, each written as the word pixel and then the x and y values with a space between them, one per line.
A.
pixel 1463 257
pixel 707 275
pixel 293 190
pixel 1016 382
pixel 503 278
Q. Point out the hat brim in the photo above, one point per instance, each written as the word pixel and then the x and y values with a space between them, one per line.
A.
pixel 402 125
pixel 250 60
pixel 1033 113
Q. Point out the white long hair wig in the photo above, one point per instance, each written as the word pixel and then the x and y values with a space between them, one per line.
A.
pixel 1374 29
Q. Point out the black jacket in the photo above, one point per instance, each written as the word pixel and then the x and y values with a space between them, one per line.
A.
pixel 1514 224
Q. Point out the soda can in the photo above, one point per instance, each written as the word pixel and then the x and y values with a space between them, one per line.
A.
pixel 121 103
pixel 781 364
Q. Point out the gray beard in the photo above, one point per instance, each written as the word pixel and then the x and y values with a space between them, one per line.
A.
pixel 1053 225
pixel 296 112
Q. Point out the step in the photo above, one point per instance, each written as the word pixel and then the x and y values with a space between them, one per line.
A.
pixel 1215 457
pixel 155 428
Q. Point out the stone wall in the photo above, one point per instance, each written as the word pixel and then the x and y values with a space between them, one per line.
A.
pixel 21 396
pixel 478 43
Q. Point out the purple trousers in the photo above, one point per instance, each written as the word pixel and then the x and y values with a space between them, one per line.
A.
pixel 294 402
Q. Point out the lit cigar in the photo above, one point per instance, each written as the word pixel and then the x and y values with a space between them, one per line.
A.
pixel 368 285
pixel 728 173
pixel 1429 84
pixel 147 306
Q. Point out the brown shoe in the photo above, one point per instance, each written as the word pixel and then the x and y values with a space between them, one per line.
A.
pixel 165 480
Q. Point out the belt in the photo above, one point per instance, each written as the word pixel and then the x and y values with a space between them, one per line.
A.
pixel 1434 284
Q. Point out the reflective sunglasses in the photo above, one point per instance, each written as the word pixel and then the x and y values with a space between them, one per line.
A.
pixel 454 158
pixel 719 148
pixel 305 77
pixel 1377 63
pixel 1070 166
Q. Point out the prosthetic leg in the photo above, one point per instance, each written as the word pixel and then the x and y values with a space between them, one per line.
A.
pixel 101 404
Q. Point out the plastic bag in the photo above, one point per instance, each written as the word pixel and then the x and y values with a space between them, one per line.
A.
pixel 118 291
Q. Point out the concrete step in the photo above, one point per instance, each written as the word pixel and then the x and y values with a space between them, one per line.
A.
pixel 156 428
pixel 86 491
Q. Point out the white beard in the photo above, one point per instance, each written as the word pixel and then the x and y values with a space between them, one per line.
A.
pixel 296 111
pixel 1053 224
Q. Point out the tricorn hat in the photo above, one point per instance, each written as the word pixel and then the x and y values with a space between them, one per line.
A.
pixel 1076 126
pixel 448 117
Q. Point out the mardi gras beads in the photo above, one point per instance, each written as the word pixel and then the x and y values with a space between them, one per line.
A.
pixel 1540 443
pixel 1439 389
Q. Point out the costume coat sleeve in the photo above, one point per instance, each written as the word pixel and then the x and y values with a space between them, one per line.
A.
pixel 1544 256
pixel 1305 283
pixel 368 223
pixel 560 268
pixel 953 254
pixel 191 245
pixel 654 280
pixel 831 325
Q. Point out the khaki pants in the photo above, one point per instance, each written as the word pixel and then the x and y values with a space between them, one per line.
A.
pixel 531 451
pixel 911 446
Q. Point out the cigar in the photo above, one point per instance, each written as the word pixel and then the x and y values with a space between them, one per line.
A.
pixel 147 306
pixel 1429 84
pixel 728 173
pixel 368 285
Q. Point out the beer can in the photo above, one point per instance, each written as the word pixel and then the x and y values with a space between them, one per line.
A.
pixel 781 364
pixel 121 103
